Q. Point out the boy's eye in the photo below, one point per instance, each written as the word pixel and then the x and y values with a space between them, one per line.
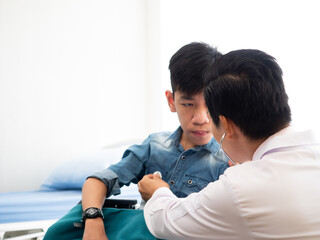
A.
pixel 187 104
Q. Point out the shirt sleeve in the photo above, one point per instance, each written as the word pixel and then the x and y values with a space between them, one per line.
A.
pixel 130 169
pixel 209 214
pixel 110 179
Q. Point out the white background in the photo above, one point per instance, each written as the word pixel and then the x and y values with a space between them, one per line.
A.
pixel 79 75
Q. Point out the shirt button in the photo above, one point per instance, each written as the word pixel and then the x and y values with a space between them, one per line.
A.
pixel 189 181
pixel 172 182
pixel 183 157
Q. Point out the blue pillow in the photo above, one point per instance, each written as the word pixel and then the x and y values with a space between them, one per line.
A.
pixel 72 174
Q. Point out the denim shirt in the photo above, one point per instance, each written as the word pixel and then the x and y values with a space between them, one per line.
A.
pixel 185 171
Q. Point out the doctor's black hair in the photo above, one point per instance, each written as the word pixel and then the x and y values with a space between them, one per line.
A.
pixel 246 86
pixel 187 67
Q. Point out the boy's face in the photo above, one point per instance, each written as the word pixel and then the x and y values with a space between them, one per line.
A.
pixel 193 116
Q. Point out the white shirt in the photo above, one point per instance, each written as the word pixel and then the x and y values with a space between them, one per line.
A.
pixel 275 196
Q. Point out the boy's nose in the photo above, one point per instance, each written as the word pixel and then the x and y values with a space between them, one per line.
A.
pixel 201 116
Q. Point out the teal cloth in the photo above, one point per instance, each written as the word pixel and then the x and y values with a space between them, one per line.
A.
pixel 126 224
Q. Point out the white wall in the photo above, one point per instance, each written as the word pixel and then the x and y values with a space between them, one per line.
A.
pixel 78 75
pixel 72 79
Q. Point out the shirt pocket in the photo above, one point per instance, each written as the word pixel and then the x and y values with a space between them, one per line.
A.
pixel 192 183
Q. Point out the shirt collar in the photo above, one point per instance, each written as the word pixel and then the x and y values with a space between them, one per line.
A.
pixel 287 137
pixel 175 136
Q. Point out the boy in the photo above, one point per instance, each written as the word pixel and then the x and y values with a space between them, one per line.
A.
pixel 187 159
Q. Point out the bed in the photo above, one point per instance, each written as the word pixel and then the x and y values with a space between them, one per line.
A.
pixel 27 215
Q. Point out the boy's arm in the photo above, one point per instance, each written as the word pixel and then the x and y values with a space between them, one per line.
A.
pixel 96 187
pixel 106 182
pixel 93 195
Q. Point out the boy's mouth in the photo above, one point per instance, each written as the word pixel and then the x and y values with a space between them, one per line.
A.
pixel 200 133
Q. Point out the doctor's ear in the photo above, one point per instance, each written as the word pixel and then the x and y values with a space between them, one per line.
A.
pixel 170 100
pixel 227 125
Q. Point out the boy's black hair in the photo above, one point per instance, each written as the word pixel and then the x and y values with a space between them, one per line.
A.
pixel 187 67
pixel 246 86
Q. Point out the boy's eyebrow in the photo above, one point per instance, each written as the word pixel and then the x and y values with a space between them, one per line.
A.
pixel 186 97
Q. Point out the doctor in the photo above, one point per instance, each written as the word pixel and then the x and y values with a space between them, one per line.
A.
pixel 274 193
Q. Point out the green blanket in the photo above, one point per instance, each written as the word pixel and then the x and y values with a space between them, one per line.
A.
pixel 120 224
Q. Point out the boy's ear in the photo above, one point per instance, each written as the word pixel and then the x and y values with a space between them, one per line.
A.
pixel 170 99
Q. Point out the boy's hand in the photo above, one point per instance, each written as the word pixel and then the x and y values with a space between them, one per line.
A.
pixel 94 230
pixel 149 184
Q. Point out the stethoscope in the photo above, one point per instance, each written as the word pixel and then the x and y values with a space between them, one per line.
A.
pixel 223 136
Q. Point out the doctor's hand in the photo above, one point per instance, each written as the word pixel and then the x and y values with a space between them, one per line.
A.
pixel 149 184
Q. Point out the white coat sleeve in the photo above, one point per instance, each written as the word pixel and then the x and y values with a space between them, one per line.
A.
pixel 210 214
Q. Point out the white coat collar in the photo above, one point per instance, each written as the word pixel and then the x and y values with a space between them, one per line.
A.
pixel 287 137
